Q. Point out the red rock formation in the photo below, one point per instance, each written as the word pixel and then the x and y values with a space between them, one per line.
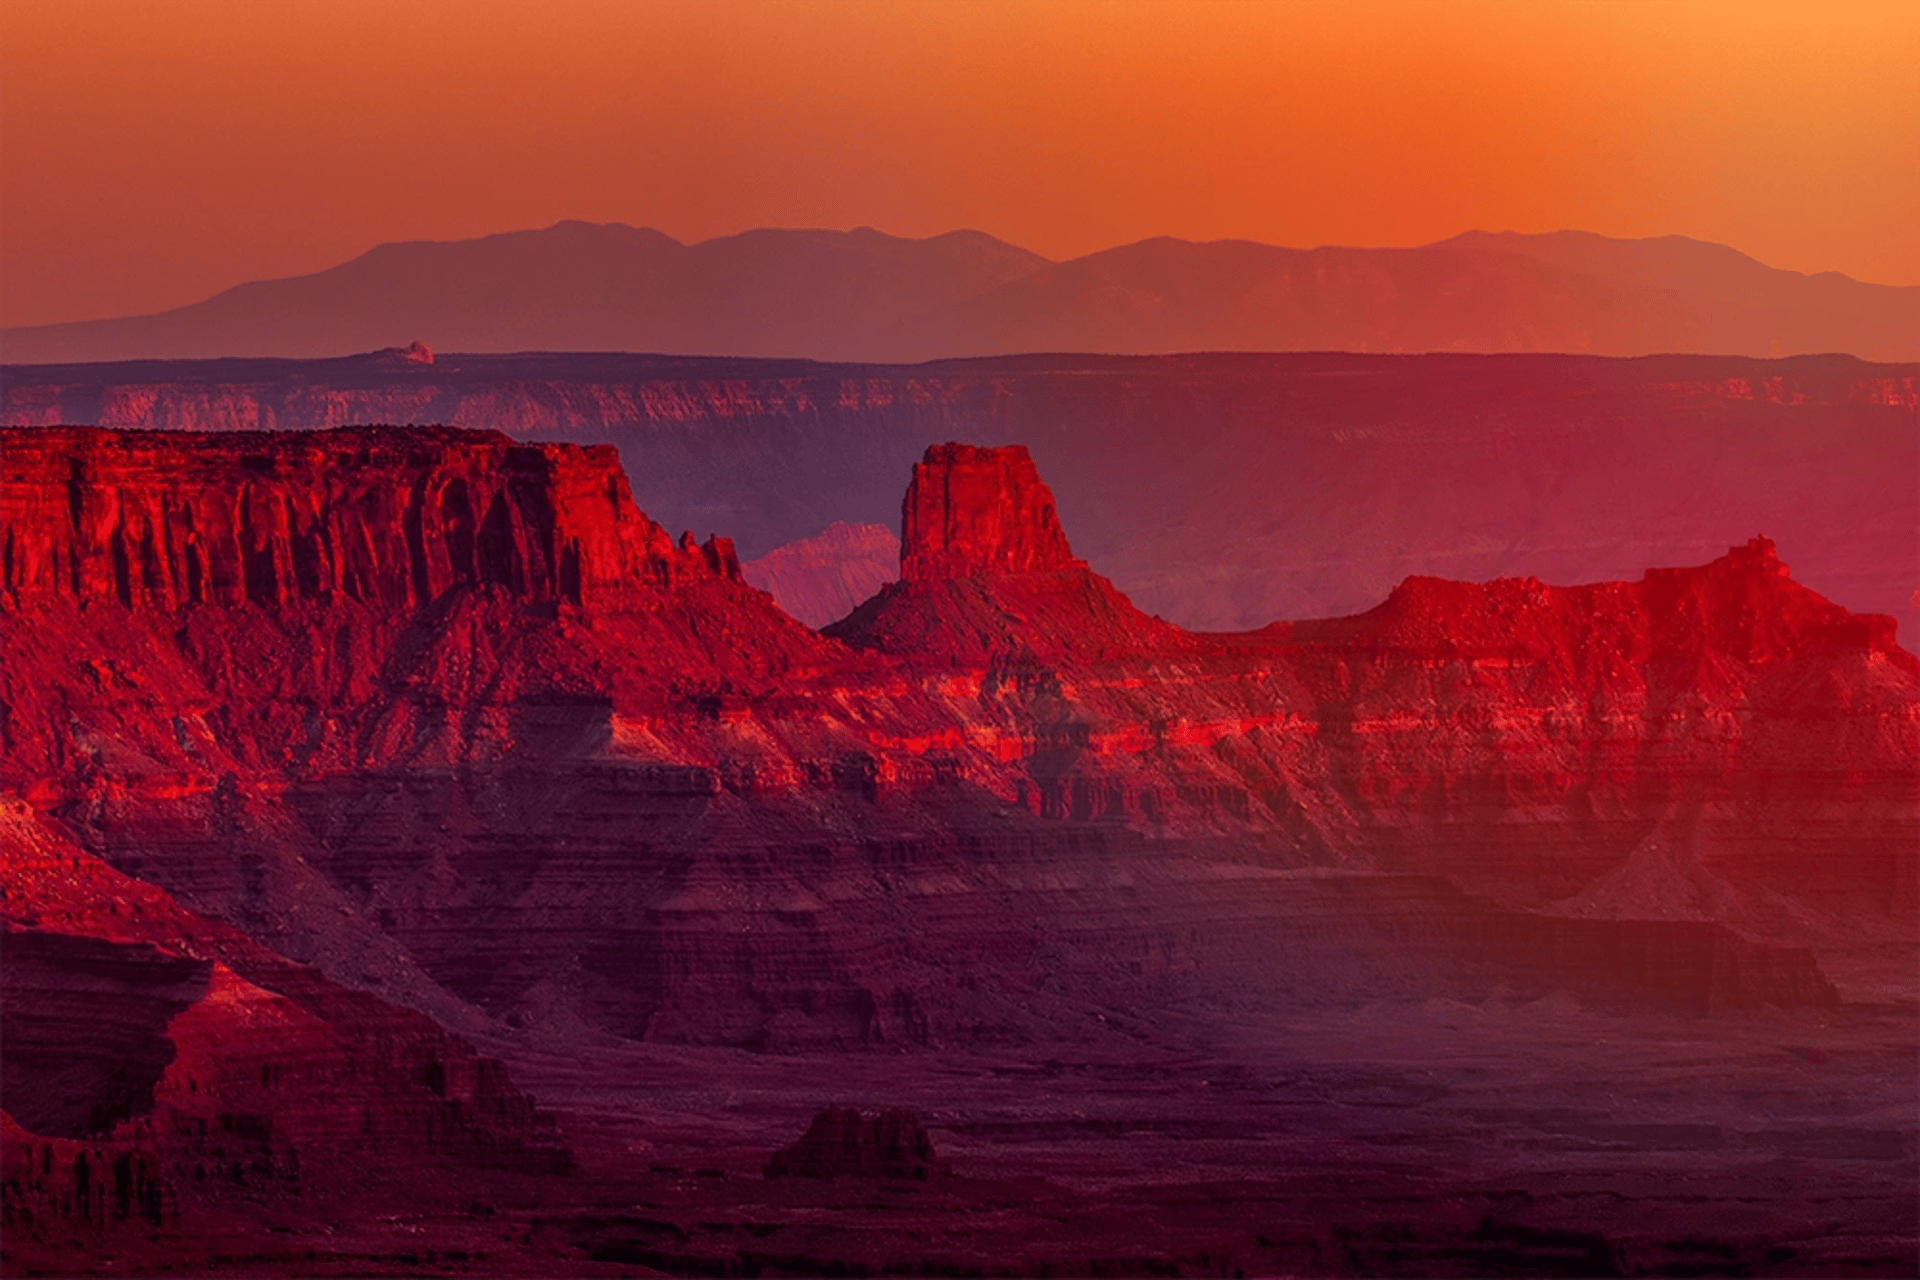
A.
pixel 1471 728
pixel 823 578
pixel 843 1143
pixel 387 518
pixel 675 813
pixel 973 511
pixel 986 573
pixel 154 1058
pixel 1220 491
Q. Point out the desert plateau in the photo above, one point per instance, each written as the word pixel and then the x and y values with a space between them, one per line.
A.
pixel 433 830
pixel 1107 638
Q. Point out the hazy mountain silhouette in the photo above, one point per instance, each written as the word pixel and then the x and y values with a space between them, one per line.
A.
pixel 864 295
pixel 573 286
pixel 1568 291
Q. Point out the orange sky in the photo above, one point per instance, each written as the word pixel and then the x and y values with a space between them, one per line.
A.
pixel 153 152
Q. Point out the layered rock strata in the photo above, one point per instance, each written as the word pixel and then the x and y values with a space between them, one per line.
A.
pixel 997 800
pixel 1220 490
pixel 155 1059
pixel 386 518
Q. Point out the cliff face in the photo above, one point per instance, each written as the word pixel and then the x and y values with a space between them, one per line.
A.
pixel 672 812
pixel 1218 491
pixel 986 573
pixel 387 518
pixel 1517 737
pixel 156 1060
pixel 972 511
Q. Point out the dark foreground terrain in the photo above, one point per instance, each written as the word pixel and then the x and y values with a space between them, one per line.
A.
pixel 417 861
pixel 1424 1139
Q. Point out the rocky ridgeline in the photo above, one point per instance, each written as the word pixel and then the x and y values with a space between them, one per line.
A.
pixel 672 812
pixel 155 1060
pixel 1221 491
pixel 391 518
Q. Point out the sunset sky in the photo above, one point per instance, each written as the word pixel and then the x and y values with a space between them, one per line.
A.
pixel 153 152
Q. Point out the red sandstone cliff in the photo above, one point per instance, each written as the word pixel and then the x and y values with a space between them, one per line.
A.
pixel 971 512
pixel 1518 737
pixel 393 519
pixel 672 812
pixel 1219 491
pixel 986 573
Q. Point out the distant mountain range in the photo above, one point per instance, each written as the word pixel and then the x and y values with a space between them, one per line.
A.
pixel 866 296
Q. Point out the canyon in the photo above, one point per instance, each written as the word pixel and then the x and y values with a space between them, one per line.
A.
pixel 344 766
pixel 1220 492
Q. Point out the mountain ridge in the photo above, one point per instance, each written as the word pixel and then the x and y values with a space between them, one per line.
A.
pixel 866 295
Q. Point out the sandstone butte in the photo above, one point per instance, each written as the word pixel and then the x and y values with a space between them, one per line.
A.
pixel 308 735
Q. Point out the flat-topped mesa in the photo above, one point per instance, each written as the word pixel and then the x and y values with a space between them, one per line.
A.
pixel 986 573
pixel 390 517
pixel 1743 607
pixel 973 511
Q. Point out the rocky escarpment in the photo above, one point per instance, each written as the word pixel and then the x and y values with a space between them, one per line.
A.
pixel 1220 491
pixel 381 517
pixel 274 585
pixel 1518 737
pixel 1004 804
pixel 155 1059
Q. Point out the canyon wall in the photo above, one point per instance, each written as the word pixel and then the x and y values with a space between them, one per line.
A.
pixel 158 1062
pixel 1219 491
pixel 386 518
pixel 988 808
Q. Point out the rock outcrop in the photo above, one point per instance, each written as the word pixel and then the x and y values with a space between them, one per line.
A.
pixel 155 1059
pixel 823 578
pixel 1219 491
pixel 997 806
pixel 393 519
pixel 986 573
pixel 971 511
pixel 843 1143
